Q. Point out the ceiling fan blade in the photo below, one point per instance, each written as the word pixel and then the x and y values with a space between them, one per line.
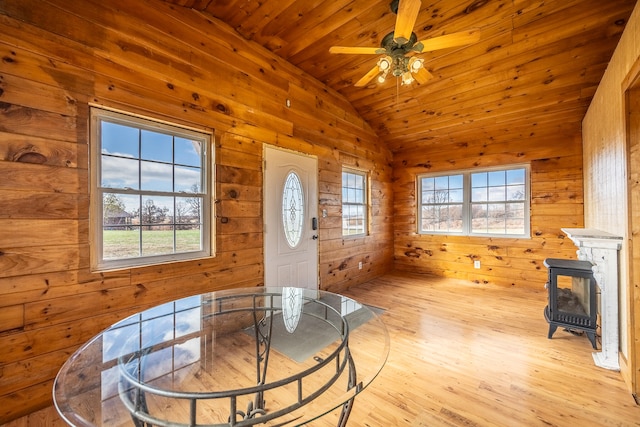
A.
pixel 367 77
pixel 355 50
pixel 422 75
pixel 450 40
pixel 406 19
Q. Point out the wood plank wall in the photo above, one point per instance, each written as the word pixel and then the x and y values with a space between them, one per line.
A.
pixel 146 57
pixel 556 202
pixel 611 140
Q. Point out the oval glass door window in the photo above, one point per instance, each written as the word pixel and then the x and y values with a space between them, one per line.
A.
pixel 292 209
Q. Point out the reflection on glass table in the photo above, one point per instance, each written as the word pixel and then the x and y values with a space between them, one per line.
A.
pixel 241 357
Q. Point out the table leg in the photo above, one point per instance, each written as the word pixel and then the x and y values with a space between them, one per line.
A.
pixel 346 408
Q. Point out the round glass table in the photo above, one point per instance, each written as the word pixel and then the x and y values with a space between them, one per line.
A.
pixel 241 357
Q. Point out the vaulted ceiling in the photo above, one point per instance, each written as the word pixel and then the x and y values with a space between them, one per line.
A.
pixel 533 70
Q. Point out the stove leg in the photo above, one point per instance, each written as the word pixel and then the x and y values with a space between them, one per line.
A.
pixel 592 338
pixel 552 329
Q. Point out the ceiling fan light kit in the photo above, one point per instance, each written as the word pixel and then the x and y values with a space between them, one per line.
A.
pixel 400 46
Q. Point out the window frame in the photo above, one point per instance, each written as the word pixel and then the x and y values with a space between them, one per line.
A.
pixel 365 204
pixel 467 204
pixel 100 114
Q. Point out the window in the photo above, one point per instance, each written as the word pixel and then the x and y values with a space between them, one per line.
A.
pixel 492 202
pixel 354 203
pixel 150 192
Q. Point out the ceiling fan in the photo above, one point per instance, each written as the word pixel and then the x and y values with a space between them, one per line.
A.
pixel 400 46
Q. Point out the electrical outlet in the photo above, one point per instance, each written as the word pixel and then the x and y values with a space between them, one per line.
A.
pixel 360 265
pixel 476 264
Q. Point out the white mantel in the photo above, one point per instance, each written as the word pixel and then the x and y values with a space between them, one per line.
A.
pixel 601 249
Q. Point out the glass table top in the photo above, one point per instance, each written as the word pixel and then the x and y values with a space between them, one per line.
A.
pixel 241 357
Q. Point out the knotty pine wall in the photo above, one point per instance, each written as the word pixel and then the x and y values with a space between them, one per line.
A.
pixel 556 202
pixel 170 63
pixel 612 168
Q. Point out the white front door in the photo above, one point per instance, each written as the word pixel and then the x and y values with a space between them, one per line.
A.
pixel 290 215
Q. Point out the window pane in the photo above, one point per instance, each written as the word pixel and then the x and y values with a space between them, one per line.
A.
pixel 157 240
pixel 455 196
pixel 428 197
pixel 120 226
pixel 515 192
pixel 515 210
pixel 352 196
pixel 156 146
pixel 156 176
pixel 479 194
pixel 118 209
pixel 188 238
pixel 120 242
pixel 120 140
pixel 188 210
pixel 428 184
pixel 497 194
pixel 442 183
pixel 187 179
pixel 428 218
pixel 515 221
pixel 455 218
pixel 117 172
pixel 515 176
pixel 441 196
pixel 187 152
pixel 455 181
pixel 496 218
pixel 479 179
pixel 442 218
pixel 497 178
pixel 479 218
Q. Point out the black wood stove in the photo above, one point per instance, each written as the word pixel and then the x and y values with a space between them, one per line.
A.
pixel 572 297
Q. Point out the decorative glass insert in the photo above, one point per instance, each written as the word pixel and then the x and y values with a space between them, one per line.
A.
pixel 292 209
pixel 291 307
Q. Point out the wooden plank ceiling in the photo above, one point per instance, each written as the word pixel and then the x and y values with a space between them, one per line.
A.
pixel 532 73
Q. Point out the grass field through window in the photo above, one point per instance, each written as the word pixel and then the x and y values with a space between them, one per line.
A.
pixel 133 243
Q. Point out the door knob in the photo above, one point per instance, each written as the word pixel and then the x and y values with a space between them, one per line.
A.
pixel 314 237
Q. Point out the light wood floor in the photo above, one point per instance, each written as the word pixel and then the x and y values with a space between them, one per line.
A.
pixel 471 355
